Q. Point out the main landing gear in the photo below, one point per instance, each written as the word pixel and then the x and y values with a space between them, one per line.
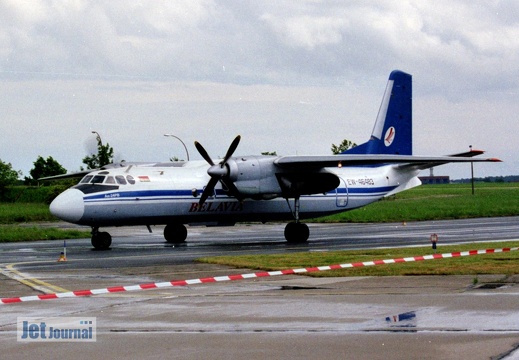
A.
pixel 175 233
pixel 101 240
pixel 296 232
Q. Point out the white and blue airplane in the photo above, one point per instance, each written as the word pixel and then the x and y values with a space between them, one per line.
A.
pixel 255 188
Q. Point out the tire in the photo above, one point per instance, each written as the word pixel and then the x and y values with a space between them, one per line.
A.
pixel 101 241
pixel 175 233
pixel 296 233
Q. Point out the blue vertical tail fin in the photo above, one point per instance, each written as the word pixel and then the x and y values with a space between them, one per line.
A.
pixel 393 131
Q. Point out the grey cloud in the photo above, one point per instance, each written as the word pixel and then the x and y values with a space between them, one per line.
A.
pixel 458 51
pixel 273 42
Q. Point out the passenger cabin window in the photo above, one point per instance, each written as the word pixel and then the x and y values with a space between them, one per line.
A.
pixel 120 180
pixel 130 179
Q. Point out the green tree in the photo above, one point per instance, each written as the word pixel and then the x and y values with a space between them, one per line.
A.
pixel 104 156
pixel 44 167
pixel 344 145
pixel 8 176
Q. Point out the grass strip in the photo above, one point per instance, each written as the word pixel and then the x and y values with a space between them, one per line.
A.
pixel 11 213
pixel 499 263
pixel 15 233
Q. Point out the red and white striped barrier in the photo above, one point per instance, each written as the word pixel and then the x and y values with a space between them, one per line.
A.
pixel 160 285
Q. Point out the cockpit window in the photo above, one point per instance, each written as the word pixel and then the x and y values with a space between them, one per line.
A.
pixel 120 180
pixel 86 179
pixel 108 180
pixel 98 179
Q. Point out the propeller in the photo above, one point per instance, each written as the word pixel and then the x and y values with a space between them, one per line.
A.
pixel 219 172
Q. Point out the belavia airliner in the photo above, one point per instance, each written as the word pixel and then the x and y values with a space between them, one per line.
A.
pixel 254 188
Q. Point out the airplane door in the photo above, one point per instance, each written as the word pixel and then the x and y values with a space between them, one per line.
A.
pixel 341 194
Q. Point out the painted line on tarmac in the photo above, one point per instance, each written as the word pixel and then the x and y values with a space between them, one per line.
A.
pixel 161 285
pixel 30 281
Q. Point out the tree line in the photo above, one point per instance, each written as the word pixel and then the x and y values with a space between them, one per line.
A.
pixel 50 167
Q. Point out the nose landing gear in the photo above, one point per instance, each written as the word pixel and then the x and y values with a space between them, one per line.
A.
pixel 101 240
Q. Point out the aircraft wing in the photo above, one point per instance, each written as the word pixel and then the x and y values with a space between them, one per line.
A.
pixel 80 174
pixel 75 175
pixel 342 160
pixel 467 154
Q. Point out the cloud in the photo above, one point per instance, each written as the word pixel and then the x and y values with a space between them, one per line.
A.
pixel 123 67
pixel 85 38
pixel 306 31
pixel 283 42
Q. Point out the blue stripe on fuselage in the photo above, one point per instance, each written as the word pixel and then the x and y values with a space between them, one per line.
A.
pixel 365 190
pixel 168 194
pixel 124 195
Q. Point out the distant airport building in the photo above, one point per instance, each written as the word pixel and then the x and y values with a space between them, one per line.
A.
pixel 431 179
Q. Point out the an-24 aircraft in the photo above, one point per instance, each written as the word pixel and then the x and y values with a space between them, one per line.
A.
pixel 255 188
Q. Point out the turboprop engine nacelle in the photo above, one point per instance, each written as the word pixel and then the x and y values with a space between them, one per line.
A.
pixel 254 176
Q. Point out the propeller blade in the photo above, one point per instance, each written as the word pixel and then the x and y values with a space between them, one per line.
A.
pixel 231 149
pixel 208 191
pixel 233 190
pixel 219 172
pixel 204 153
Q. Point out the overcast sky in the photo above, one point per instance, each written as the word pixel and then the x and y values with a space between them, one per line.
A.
pixel 289 76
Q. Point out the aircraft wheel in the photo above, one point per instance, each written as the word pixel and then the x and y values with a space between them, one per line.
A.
pixel 101 240
pixel 175 233
pixel 297 232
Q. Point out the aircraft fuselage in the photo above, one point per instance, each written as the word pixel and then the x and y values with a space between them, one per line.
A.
pixel 141 195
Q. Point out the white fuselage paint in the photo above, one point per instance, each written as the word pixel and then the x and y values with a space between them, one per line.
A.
pixel 163 195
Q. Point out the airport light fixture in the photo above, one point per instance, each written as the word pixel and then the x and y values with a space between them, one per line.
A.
pixel 179 139
pixel 98 137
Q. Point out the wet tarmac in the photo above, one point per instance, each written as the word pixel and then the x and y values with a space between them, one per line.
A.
pixel 433 317
pixel 286 317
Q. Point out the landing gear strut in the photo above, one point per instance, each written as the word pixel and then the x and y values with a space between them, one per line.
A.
pixel 296 232
pixel 175 233
pixel 101 240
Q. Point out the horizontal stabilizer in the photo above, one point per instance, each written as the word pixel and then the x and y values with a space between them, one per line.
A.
pixel 470 153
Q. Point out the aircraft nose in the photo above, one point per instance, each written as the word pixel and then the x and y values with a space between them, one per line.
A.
pixel 68 206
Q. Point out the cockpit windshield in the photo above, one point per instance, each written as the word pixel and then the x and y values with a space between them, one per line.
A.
pixel 86 179
pixel 120 180
pixel 98 179
pixel 109 180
